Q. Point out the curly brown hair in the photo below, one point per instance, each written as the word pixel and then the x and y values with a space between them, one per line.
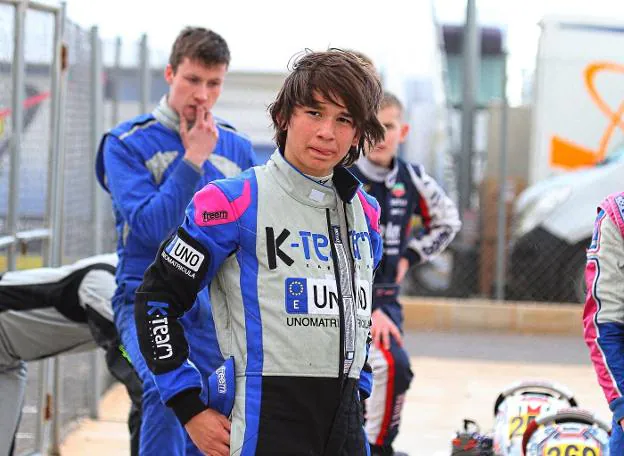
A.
pixel 334 74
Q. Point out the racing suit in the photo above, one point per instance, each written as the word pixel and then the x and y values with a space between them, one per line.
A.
pixel 405 192
pixel 140 162
pixel 45 312
pixel 289 263
pixel 603 317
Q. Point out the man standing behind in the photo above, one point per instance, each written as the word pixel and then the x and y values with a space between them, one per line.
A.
pixel 288 251
pixel 404 192
pixel 152 165
pixel 603 318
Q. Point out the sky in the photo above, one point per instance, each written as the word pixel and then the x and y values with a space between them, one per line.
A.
pixel 264 34
pixel 260 33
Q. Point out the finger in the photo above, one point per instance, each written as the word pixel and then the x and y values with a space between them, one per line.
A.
pixel 183 126
pixel 375 336
pixel 200 120
pixel 210 119
pixel 225 423
pixel 397 335
pixel 223 436
pixel 205 122
pixel 220 450
pixel 385 336
pixel 212 125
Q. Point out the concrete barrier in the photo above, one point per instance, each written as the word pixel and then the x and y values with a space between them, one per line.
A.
pixel 443 314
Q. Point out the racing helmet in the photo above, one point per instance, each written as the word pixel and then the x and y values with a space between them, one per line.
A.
pixel 518 405
pixel 568 431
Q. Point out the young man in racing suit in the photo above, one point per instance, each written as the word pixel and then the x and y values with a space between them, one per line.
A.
pixel 46 312
pixel 603 318
pixel 288 251
pixel 152 165
pixel 404 192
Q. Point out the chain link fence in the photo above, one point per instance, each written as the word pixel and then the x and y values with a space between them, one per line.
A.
pixel 7 23
pixel 78 126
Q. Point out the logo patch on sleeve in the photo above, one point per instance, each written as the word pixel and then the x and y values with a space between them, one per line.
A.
pixel 619 200
pixel 595 240
pixel 184 254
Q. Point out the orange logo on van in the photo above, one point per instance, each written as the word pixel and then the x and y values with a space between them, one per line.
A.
pixel 567 154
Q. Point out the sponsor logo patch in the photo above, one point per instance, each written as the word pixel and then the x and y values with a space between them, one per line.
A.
pixel 320 296
pixel 159 330
pixel 595 240
pixel 398 190
pixel 316 247
pixel 184 254
pixel 619 200
pixel 221 381
pixel 213 216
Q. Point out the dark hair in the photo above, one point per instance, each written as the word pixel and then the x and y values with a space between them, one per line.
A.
pixel 363 57
pixel 201 45
pixel 333 74
pixel 389 99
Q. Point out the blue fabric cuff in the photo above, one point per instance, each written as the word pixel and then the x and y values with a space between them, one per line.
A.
pixel 366 384
pixel 186 174
pixel 222 387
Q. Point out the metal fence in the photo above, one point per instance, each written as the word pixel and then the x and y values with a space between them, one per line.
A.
pixel 52 212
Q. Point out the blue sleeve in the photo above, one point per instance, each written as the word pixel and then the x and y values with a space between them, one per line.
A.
pixel 185 263
pixel 151 211
pixel 366 377
pixel 603 325
pixel 253 159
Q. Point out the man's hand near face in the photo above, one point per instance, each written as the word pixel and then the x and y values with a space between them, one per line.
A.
pixel 200 141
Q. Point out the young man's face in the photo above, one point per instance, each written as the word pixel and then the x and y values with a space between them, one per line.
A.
pixel 192 85
pixel 396 132
pixel 319 137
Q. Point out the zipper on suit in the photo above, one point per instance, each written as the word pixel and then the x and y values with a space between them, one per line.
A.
pixel 343 270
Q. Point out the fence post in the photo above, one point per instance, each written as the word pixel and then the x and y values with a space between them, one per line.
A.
pixel 96 102
pixel 145 81
pixel 470 78
pixel 17 121
pixel 501 235
pixel 116 92
pixel 58 195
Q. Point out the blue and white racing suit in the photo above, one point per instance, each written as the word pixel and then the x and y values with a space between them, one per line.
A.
pixel 417 222
pixel 603 317
pixel 140 163
pixel 289 263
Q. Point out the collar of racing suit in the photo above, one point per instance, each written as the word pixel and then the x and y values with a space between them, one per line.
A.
pixel 376 173
pixel 166 116
pixel 309 191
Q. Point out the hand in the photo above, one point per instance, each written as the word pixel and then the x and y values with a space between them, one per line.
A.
pixel 402 268
pixel 210 432
pixel 199 141
pixel 622 423
pixel 382 328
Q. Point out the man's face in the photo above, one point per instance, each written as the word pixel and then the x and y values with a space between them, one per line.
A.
pixel 396 132
pixel 319 137
pixel 192 85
